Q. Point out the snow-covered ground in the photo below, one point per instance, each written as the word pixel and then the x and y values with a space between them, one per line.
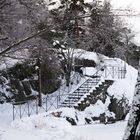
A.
pixel 47 127
pixel 101 131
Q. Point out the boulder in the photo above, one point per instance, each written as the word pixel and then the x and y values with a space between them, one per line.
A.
pixel 119 107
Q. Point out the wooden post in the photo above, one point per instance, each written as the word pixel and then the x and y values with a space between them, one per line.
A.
pixel 39 82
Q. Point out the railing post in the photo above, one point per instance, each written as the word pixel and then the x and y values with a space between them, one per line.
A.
pixel 59 93
pixel 13 112
pixel 68 89
pixel 113 73
pixel 20 111
pixel 46 103
pixel 124 72
pixel 36 106
pixel 28 108
pixel 105 72
pixel 121 73
pixel 57 102
pixel 118 73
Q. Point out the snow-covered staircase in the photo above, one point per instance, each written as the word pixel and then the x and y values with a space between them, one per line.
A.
pixel 93 87
pixel 96 93
pixel 83 89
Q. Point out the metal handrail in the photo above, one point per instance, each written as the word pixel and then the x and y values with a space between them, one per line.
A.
pixel 91 84
pixel 89 78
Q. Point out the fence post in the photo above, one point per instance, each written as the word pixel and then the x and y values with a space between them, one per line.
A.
pixel 121 72
pixel 20 111
pixel 118 73
pixel 57 101
pixel 28 108
pixel 105 72
pixel 113 72
pixel 68 89
pixel 124 72
pixel 36 106
pixel 46 103
pixel 59 93
pixel 13 112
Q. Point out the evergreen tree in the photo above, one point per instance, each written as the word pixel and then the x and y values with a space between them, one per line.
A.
pixel 68 20
pixel 104 29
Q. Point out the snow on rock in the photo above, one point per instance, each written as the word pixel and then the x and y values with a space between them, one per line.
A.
pixel 8 62
pixel 43 127
pixel 40 122
pixel 82 54
pixel 99 108
pixel 68 112
pixel 53 5
pixel 124 87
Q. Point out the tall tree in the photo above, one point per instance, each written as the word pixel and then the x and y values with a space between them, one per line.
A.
pixel 104 29
pixel 68 21
pixel 68 17
pixel 132 131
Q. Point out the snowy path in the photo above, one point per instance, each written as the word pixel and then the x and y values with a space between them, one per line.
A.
pixel 85 132
pixel 101 131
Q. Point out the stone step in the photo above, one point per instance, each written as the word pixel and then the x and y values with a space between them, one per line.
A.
pixel 94 79
pixel 85 87
pixel 93 82
pixel 75 96
pixel 66 105
pixel 93 97
pixel 71 100
pixel 81 91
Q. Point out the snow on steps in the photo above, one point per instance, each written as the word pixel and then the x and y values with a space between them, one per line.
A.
pixel 72 99
pixel 94 94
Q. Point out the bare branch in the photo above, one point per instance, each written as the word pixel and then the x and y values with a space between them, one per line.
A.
pixel 3 3
pixel 22 41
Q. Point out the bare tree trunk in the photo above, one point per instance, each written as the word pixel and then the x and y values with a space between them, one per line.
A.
pixel 131 132
pixel 39 91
